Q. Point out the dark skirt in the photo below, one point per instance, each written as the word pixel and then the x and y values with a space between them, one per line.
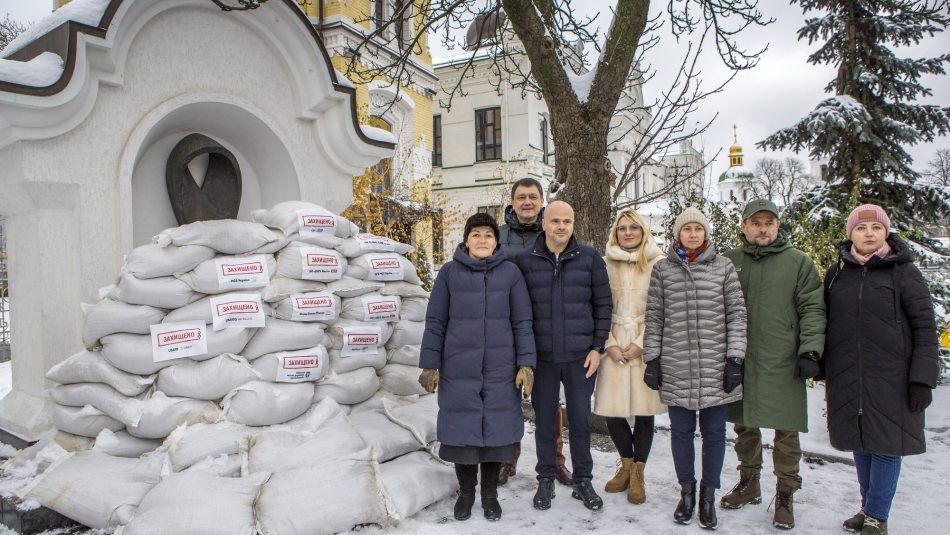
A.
pixel 477 454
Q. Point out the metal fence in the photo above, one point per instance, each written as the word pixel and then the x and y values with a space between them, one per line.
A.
pixel 4 295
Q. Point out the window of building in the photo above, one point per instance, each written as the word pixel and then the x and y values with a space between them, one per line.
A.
pixel 404 26
pixel 379 13
pixel 383 168
pixel 488 134
pixel 494 210
pixel 437 140
pixel 544 141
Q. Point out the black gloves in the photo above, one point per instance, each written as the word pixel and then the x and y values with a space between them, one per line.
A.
pixel 807 366
pixel 652 376
pixel 920 395
pixel 733 375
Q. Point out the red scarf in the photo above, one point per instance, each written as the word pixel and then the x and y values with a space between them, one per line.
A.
pixel 689 256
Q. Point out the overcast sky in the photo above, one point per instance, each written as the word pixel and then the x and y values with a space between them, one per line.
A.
pixel 773 95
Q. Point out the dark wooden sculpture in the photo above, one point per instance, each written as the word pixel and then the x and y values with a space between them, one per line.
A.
pixel 219 197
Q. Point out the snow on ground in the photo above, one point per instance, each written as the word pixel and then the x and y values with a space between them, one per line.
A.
pixel 830 492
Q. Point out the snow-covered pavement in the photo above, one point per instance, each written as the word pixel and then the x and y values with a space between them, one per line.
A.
pixel 829 494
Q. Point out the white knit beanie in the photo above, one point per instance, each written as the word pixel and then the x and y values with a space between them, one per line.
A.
pixel 689 215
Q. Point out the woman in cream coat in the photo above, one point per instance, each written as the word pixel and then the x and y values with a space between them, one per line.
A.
pixel 621 393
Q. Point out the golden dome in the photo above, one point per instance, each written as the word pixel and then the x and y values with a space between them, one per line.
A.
pixel 736 148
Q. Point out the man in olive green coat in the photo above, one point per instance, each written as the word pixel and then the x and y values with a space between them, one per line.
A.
pixel 785 338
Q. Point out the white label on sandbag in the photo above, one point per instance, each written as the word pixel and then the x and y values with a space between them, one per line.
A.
pixel 237 310
pixel 372 242
pixel 249 272
pixel 384 267
pixel 177 340
pixel 315 306
pixel 315 223
pixel 300 366
pixel 319 265
pixel 361 340
pixel 380 308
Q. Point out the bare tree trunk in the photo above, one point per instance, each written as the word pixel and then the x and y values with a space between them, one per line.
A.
pixel 581 167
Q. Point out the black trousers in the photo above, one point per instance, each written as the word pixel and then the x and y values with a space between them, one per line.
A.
pixel 548 377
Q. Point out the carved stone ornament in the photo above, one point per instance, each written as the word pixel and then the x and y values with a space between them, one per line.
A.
pixel 219 197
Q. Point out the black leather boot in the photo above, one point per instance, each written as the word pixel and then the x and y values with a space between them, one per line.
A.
pixel 707 507
pixel 544 495
pixel 490 505
pixel 467 475
pixel 684 509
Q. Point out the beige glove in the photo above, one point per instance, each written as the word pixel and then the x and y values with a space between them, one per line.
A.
pixel 525 378
pixel 429 379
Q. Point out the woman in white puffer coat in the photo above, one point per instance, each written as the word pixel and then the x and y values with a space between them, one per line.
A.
pixel 621 393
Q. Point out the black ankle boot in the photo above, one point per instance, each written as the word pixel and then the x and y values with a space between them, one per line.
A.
pixel 684 509
pixel 491 507
pixel 463 506
pixel 707 507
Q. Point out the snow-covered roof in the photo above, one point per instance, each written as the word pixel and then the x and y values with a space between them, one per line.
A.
pixel 454 59
pixel 88 12
pixel 737 172
pixel 41 71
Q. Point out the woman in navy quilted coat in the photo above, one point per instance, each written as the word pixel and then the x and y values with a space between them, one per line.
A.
pixel 478 348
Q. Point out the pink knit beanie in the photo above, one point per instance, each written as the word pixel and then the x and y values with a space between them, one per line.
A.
pixel 865 213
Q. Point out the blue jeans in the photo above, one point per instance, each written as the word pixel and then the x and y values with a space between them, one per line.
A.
pixel 877 476
pixel 712 426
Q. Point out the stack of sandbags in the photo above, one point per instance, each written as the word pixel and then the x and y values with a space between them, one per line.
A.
pixel 222 331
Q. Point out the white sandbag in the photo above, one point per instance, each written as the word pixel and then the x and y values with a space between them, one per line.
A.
pixel 311 306
pixel 260 403
pixel 414 308
pixel 408 355
pixel 361 244
pixel 281 450
pixel 133 352
pixel 160 292
pixel 95 489
pixel 122 444
pixel 101 396
pixel 85 421
pixel 400 379
pixel 341 364
pixel 419 417
pixel 208 380
pixel 341 334
pixel 202 310
pixel 152 260
pixel 281 335
pixel 375 402
pixel 406 333
pixel 222 466
pixel 303 365
pixel 162 414
pixel 109 317
pixel 404 289
pixel 387 438
pixel 348 388
pixel 189 444
pixel 90 367
pixel 226 236
pixel 310 262
pixel 281 288
pixel 415 481
pixel 280 241
pixel 311 221
pixel 382 267
pixel 224 274
pixel 351 287
pixel 372 307
pixel 198 503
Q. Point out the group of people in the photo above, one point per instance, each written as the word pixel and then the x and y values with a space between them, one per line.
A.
pixel 528 310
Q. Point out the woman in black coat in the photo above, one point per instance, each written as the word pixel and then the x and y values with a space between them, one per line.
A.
pixel 478 348
pixel 880 357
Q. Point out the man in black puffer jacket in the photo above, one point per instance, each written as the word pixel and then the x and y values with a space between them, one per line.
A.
pixel 572 306
pixel 522 226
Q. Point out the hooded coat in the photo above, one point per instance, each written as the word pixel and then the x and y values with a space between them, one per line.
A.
pixel 695 319
pixel 477 334
pixel 620 390
pixel 786 318
pixel 516 236
pixel 882 335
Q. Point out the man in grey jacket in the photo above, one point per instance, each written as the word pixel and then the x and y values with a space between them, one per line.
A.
pixel 522 225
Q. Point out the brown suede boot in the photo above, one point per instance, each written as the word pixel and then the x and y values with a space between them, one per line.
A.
pixel 784 517
pixel 745 492
pixel 637 492
pixel 621 479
